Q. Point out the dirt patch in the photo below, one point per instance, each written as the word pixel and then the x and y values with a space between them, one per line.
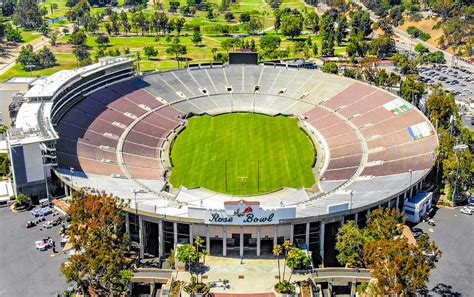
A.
pixel 427 27
pixel 61 48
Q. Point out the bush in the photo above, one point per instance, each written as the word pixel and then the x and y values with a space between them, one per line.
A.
pixel 417 33
pixel 285 287
pixel 330 67
pixel 421 48
pixel 437 57
pixel 196 287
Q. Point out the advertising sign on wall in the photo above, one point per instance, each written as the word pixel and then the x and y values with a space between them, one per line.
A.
pixel 242 213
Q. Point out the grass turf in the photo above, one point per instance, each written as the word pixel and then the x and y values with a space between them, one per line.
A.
pixel 242 154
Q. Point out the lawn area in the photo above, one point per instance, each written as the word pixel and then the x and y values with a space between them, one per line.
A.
pixel 65 61
pixel 243 154
pixel 29 36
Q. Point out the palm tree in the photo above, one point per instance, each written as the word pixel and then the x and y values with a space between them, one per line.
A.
pixel 287 246
pixel 278 251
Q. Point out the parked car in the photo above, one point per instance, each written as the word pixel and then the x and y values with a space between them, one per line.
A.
pixel 30 224
pixel 466 210
pixel 471 199
pixel 43 245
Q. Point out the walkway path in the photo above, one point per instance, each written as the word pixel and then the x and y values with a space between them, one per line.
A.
pixel 228 275
pixel 38 43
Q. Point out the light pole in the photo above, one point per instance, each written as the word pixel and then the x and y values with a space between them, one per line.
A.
pixel 71 170
pixel 135 198
pixel 411 176
pixel 352 195
pixel 457 148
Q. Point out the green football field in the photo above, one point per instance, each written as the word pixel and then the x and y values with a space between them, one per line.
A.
pixel 242 154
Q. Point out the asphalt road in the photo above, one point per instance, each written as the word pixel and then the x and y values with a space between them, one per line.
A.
pixel 24 271
pixel 407 42
pixel 454 236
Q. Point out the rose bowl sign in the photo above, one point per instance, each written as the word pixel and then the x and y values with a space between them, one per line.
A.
pixel 242 213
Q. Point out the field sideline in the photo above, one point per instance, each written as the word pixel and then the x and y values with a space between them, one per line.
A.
pixel 243 154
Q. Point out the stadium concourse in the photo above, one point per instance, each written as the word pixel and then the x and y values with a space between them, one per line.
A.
pixel 374 149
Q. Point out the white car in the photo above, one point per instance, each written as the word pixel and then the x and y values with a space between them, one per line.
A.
pixel 466 210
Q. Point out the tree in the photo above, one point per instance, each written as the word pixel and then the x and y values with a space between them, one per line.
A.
pixel 269 43
pixel 399 267
pixel 191 254
pixel 441 107
pixel 406 65
pixel 102 40
pixel 458 171
pixel 150 51
pixel 383 46
pixel 8 8
pixel 43 59
pixel 14 35
pixel 436 57
pixel 327 35
pixel 196 38
pixel 124 22
pixel 385 223
pixel 278 252
pixel 244 17
pixel 295 258
pixel 54 38
pixel 177 50
pixel 82 55
pixel 341 29
pixel 101 264
pixel 412 91
pixel 210 14
pixel 330 67
pixel 22 200
pixel 291 25
pixel 4 162
pixel 444 8
pixel 312 21
pixel 350 241
pixel 420 48
pixel 179 24
pixel 361 24
pixel 254 26
pixel 229 16
pixel 28 14
pixel 78 38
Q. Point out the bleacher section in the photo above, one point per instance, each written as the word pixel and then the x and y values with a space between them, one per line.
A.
pixel 362 138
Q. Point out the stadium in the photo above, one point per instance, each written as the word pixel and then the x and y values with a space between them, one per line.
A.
pixel 244 156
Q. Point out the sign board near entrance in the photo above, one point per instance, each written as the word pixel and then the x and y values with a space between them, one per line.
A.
pixel 242 213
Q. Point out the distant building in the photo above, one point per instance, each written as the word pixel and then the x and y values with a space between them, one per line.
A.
pixel 11 92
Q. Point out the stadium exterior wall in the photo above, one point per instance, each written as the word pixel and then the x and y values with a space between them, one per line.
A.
pixel 157 234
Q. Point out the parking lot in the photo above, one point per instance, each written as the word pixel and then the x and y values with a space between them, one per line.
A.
pixel 24 271
pixel 454 237
pixel 457 81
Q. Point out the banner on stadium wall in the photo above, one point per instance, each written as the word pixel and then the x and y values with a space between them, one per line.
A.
pixel 420 131
pixel 397 106
pixel 242 213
